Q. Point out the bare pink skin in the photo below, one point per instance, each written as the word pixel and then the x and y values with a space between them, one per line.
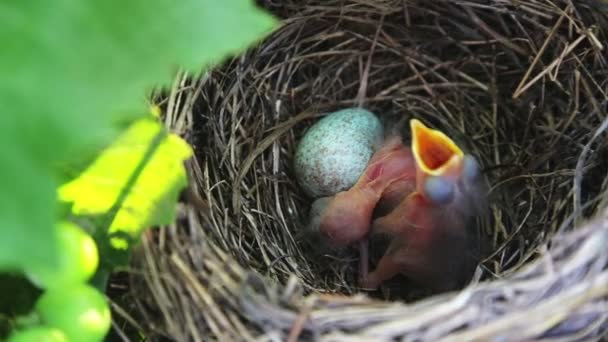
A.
pixel 394 194
pixel 429 240
pixel 348 215
pixel 430 243
pixel 425 242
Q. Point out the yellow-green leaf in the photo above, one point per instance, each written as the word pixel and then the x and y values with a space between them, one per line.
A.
pixel 133 185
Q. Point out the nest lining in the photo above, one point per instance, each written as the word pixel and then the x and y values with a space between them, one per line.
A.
pixel 522 86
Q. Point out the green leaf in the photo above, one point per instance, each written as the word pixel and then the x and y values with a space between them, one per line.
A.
pixel 26 208
pixel 135 182
pixel 74 75
pixel 73 70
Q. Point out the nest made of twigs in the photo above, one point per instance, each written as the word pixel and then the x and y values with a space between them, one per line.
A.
pixel 521 85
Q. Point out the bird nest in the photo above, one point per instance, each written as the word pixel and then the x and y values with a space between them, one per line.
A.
pixel 522 85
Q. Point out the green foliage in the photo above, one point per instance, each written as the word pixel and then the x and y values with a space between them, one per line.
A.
pixel 27 208
pixel 38 334
pixel 78 259
pixel 75 75
pixel 136 182
pixel 79 311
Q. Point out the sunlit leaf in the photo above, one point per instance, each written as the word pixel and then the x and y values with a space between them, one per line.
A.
pixel 133 185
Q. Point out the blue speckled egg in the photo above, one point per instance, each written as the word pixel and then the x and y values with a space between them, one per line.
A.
pixel 335 151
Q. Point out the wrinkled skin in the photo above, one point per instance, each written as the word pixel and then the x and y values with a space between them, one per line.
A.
pixel 346 217
pixel 429 238
pixel 424 198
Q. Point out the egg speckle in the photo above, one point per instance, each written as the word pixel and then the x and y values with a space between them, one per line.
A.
pixel 335 151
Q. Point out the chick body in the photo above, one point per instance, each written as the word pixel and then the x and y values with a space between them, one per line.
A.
pixel 346 217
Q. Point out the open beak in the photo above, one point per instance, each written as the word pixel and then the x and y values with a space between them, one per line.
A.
pixel 436 155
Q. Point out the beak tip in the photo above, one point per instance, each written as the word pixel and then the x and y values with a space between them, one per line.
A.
pixel 433 150
pixel 416 125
